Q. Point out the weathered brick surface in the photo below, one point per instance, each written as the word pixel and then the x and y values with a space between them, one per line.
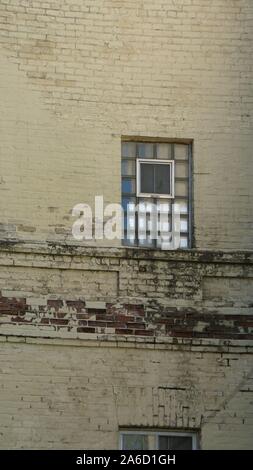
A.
pixel 76 77
pixel 54 291
pixel 162 349
pixel 158 350
pixel 78 395
pixel 122 320
pixel 94 339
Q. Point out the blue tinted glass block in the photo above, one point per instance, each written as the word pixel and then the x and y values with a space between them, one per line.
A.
pixel 128 186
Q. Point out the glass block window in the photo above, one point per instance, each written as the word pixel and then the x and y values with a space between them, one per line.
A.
pixel 156 176
pixel 151 440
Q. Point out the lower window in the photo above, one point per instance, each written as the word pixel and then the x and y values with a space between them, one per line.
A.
pixel 150 440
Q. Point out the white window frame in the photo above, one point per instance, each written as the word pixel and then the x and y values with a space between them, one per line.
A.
pixel 157 434
pixel 171 163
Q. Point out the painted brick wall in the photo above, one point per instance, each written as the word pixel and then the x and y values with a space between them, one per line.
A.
pixel 167 336
pixel 50 399
pixel 52 290
pixel 77 75
pixel 95 340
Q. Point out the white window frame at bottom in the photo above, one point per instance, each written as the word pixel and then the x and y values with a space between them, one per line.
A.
pixel 171 163
pixel 160 433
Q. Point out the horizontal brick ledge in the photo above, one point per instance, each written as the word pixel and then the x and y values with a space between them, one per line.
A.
pixel 78 249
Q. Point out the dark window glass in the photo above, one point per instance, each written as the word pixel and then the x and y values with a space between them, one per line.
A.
pixel 147 178
pixel 175 442
pixel 162 179
pixel 155 178
pixel 163 443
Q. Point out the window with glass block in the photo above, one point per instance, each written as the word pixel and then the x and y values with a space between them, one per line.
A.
pixel 150 440
pixel 155 176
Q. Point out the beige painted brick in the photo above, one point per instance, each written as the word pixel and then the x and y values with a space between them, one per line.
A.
pixel 125 70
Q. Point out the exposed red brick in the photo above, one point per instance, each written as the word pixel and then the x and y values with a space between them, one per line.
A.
pixel 58 321
pixel 114 324
pixel 96 311
pixel 136 325
pixel 82 316
pixel 97 323
pixel 135 309
pixel 144 332
pixel 12 306
pixel 103 316
pixel 85 330
pixel 183 334
pixel 128 319
pixel 124 331
pixel 124 318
